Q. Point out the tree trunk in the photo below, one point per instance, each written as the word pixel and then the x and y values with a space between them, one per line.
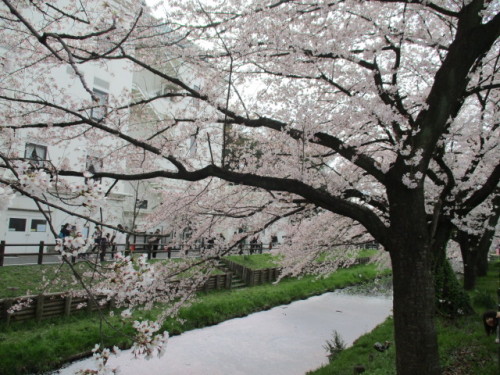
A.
pixel 415 334
pixel 408 243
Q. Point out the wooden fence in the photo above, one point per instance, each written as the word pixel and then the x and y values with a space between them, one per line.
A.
pixel 253 277
pixel 62 304
pixel 46 306
pixel 45 251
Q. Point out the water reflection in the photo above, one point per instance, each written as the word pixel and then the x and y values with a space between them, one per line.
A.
pixel 285 340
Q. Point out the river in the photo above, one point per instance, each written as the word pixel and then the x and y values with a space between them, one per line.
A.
pixel 285 340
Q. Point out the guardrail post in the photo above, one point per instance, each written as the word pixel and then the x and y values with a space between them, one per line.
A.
pixel 40 252
pixel 2 252
pixel 67 305
pixel 39 307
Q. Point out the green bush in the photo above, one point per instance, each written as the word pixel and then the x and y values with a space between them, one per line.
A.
pixel 483 299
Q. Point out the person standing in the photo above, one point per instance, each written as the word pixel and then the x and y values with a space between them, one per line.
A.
pixel 253 245
pixel 103 246
pixel 65 231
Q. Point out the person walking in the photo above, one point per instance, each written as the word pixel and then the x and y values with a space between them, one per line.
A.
pixel 154 242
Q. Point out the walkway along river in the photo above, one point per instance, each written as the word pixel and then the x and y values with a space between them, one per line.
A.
pixel 285 340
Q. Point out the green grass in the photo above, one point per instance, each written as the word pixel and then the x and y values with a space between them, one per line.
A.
pixel 24 280
pixel 28 347
pixel 367 253
pixel 484 296
pixel 256 261
pixel 464 348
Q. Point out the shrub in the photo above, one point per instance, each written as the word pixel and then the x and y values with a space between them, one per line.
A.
pixel 334 346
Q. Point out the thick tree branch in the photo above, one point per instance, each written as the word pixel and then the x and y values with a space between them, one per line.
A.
pixel 322 199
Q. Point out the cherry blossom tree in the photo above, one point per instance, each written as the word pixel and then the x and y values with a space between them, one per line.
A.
pixel 384 113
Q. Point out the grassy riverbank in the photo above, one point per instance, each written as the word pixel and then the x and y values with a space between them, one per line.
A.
pixel 29 347
pixel 463 345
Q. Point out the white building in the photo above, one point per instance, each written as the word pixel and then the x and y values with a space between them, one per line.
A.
pixel 102 91
pixel 111 83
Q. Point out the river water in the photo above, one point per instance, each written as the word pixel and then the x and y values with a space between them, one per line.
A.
pixel 285 340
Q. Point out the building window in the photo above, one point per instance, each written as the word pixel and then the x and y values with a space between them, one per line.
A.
pixel 38 225
pixel 141 203
pixel 99 110
pixel 17 225
pixel 36 155
pixel 93 165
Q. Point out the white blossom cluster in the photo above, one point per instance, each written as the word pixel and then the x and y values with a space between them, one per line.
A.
pixel 409 181
pixel 129 279
pixel 20 305
pixel 35 182
pixel 91 192
pixel 72 245
pixel 146 343
pixel 100 358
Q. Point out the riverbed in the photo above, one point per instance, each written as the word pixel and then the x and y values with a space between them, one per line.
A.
pixel 285 340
